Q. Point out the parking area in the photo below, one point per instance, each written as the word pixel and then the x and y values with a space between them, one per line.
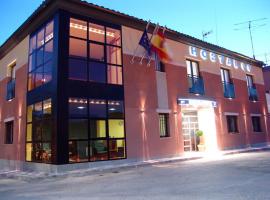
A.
pixel 239 176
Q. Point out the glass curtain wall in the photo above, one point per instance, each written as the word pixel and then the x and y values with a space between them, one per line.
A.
pixel 96 130
pixel 41 56
pixel 95 53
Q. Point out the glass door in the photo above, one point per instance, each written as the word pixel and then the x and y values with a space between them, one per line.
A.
pixel 189 128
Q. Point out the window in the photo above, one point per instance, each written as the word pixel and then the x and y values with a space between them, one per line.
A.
pixel 39 132
pixel 195 81
pixel 96 130
pixel 11 70
pixel 249 80
pixel 11 83
pixel 225 75
pixel 256 123
pixel 163 125
pixel 252 91
pixel 192 68
pixel 40 60
pixel 9 132
pixel 232 124
pixel 96 56
pixel 228 87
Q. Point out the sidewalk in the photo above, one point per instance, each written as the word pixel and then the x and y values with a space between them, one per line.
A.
pixel 26 176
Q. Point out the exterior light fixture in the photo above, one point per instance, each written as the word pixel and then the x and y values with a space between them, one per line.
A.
pixel 197 94
pixel 81 107
pixel 112 109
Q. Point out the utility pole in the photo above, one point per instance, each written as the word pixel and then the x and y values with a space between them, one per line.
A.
pixel 249 28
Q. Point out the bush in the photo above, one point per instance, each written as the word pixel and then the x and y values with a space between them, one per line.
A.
pixel 199 133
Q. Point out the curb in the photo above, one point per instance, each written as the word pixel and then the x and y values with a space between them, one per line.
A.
pixel 30 176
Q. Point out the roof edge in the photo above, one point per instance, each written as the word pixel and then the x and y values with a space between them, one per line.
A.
pixel 16 36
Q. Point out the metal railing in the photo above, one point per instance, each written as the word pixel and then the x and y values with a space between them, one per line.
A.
pixel 196 85
pixel 228 90
pixel 10 89
pixel 252 93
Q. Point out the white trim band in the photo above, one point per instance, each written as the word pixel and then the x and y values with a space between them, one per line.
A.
pixel 163 110
pixel 255 115
pixel 231 113
pixel 9 119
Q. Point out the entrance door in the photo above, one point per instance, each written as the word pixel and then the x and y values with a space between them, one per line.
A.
pixel 189 127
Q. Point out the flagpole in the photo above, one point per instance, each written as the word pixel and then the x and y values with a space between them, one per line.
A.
pixel 135 51
pixel 154 32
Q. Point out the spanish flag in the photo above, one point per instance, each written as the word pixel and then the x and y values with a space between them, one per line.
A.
pixel 158 45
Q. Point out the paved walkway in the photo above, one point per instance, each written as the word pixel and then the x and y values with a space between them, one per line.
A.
pixel 243 176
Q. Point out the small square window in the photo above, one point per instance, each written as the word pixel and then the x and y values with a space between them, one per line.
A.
pixel 232 124
pixel 117 149
pixel 96 52
pixel 97 108
pixel 78 129
pixel 78 28
pixel 78 151
pixel 116 128
pixel 33 43
pixel 113 36
pixel 97 128
pixel 9 132
pixel 98 150
pixel 48 51
pixel 39 76
pixel 114 55
pixel 77 48
pixel 163 125
pixel 77 69
pixel 49 31
pixel 32 62
pixel 96 32
pixel 40 56
pixel 115 109
pixel 114 75
pixel 40 38
pixel 97 72
pixel 78 108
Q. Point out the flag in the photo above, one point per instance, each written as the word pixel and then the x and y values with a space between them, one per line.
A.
pixel 145 42
pixel 158 45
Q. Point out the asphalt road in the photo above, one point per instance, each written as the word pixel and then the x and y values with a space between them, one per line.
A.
pixel 240 177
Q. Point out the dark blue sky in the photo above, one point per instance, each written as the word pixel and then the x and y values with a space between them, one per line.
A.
pixel 187 16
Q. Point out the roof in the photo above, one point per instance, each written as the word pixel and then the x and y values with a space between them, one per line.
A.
pixel 50 6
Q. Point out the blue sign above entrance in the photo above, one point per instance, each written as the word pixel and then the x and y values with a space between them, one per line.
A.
pixel 197 102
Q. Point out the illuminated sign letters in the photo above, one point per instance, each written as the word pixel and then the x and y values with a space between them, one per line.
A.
pixel 213 57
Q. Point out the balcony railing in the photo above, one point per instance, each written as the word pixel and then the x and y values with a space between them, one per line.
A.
pixel 228 90
pixel 10 89
pixel 252 93
pixel 196 85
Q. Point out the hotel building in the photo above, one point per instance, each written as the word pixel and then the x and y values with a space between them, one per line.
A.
pixel 70 91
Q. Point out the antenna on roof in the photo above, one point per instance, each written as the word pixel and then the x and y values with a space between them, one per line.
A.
pixel 249 27
pixel 205 34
